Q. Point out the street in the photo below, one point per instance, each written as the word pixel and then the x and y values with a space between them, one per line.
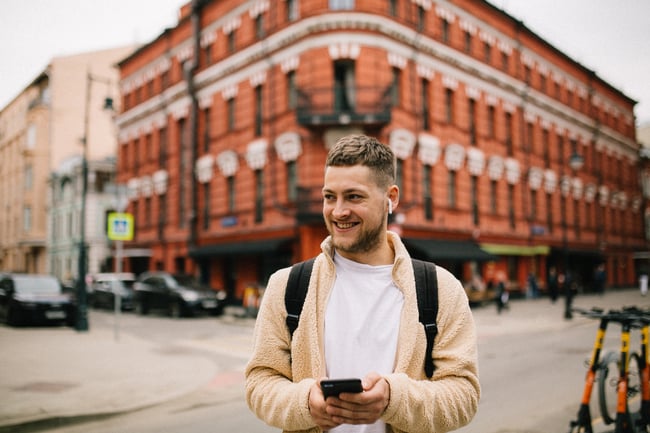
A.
pixel 532 368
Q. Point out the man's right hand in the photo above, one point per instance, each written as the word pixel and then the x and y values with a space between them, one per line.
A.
pixel 317 408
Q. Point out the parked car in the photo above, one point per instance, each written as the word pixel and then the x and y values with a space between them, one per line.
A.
pixel 35 299
pixel 176 294
pixel 105 286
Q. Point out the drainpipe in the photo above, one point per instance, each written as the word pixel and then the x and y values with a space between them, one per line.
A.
pixel 189 69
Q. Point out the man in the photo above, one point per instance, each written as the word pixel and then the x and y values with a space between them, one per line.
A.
pixel 360 319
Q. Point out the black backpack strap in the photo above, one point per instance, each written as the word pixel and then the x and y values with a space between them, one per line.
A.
pixel 426 284
pixel 296 292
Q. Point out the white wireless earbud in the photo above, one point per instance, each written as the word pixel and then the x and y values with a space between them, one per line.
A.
pixel 390 207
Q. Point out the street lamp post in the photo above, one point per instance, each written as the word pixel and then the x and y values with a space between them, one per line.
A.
pixel 575 163
pixel 81 323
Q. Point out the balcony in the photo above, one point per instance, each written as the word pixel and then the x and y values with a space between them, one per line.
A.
pixel 340 105
pixel 309 206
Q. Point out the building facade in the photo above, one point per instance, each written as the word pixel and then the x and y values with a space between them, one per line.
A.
pixel 511 156
pixel 42 132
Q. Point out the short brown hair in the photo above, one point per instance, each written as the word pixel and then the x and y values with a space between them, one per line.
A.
pixel 360 149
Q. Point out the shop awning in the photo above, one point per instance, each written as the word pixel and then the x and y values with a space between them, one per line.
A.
pixel 517 250
pixel 435 249
pixel 239 248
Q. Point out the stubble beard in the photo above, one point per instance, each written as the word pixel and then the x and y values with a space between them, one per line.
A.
pixel 365 242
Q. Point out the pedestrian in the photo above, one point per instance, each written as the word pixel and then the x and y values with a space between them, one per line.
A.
pixel 360 319
pixel 570 287
pixel 502 295
pixel 533 288
pixel 553 284
pixel 599 279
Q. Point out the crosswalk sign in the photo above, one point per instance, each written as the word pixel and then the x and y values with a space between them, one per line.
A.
pixel 120 226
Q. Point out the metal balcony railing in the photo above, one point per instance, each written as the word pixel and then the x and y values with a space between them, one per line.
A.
pixel 309 205
pixel 344 105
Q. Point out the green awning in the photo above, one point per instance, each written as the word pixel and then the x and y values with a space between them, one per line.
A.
pixel 435 249
pixel 517 250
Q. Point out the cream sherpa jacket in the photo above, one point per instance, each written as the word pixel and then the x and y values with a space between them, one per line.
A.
pixel 282 370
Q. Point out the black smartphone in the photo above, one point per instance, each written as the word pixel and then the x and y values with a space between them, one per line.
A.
pixel 333 387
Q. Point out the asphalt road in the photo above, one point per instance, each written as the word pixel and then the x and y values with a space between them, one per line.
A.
pixel 532 369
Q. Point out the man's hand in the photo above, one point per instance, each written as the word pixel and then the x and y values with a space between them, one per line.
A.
pixel 318 408
pixel 359 408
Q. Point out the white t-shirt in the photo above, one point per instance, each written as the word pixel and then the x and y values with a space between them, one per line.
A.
pixel 362 322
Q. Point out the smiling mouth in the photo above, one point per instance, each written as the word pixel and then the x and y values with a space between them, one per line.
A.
pixel 344 226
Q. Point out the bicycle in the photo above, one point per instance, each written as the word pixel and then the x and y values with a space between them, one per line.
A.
pixel 638 375
pixel 625 420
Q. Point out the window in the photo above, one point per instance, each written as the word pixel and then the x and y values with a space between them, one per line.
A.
pixel 471 104
pixel 207 54
pixel 259 196
pixel 231 194
pixel 493 197
pixel 292 91
pixel 508 126
pixel 511 205
pixel 27 219
pixel 162 214
pixel 444 26
pixel 162 143
pixel 427 181
pixel 449 105
pixel 451 189
pixel 344 86
pixel 148 151
pixel 292 10
pixel 341 4
pixel 206 206
pixel 422 17
pixel 545 148
pixel 487 52
pixel 468 42
pixel 491 118
pixel 30 139
pixel 549 211
pixel 231 114
pixel 258 110
pixel 147 212
pixel 530 144
pixel 395 86
pixel 425 103
pixel 206 130
pixel 259 26
pixel 560 149
pixel 527 74
pixel 182 140
pixel 533 204
pixel 504 61
pixel 474 199
pixel 231 41
pixel 28 178
pixel 292 181
pixel 392 8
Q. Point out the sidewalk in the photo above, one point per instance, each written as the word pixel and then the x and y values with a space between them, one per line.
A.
pixel 56 373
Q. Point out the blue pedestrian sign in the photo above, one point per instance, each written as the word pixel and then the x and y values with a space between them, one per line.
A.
pixel 120 226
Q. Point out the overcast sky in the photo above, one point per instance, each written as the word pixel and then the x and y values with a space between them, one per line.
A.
pixel 610 37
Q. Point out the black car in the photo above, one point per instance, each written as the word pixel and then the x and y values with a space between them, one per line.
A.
pixel 34 299
pixel 105 286
pixel 176 294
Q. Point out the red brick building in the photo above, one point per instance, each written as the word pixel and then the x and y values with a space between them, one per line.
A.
pixel 228 116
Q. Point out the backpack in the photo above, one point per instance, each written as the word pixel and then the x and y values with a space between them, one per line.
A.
pixel 426 283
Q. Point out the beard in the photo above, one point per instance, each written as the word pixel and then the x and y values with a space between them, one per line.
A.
pixel 366 241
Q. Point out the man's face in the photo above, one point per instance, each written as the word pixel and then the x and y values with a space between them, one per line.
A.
pixel 354 209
